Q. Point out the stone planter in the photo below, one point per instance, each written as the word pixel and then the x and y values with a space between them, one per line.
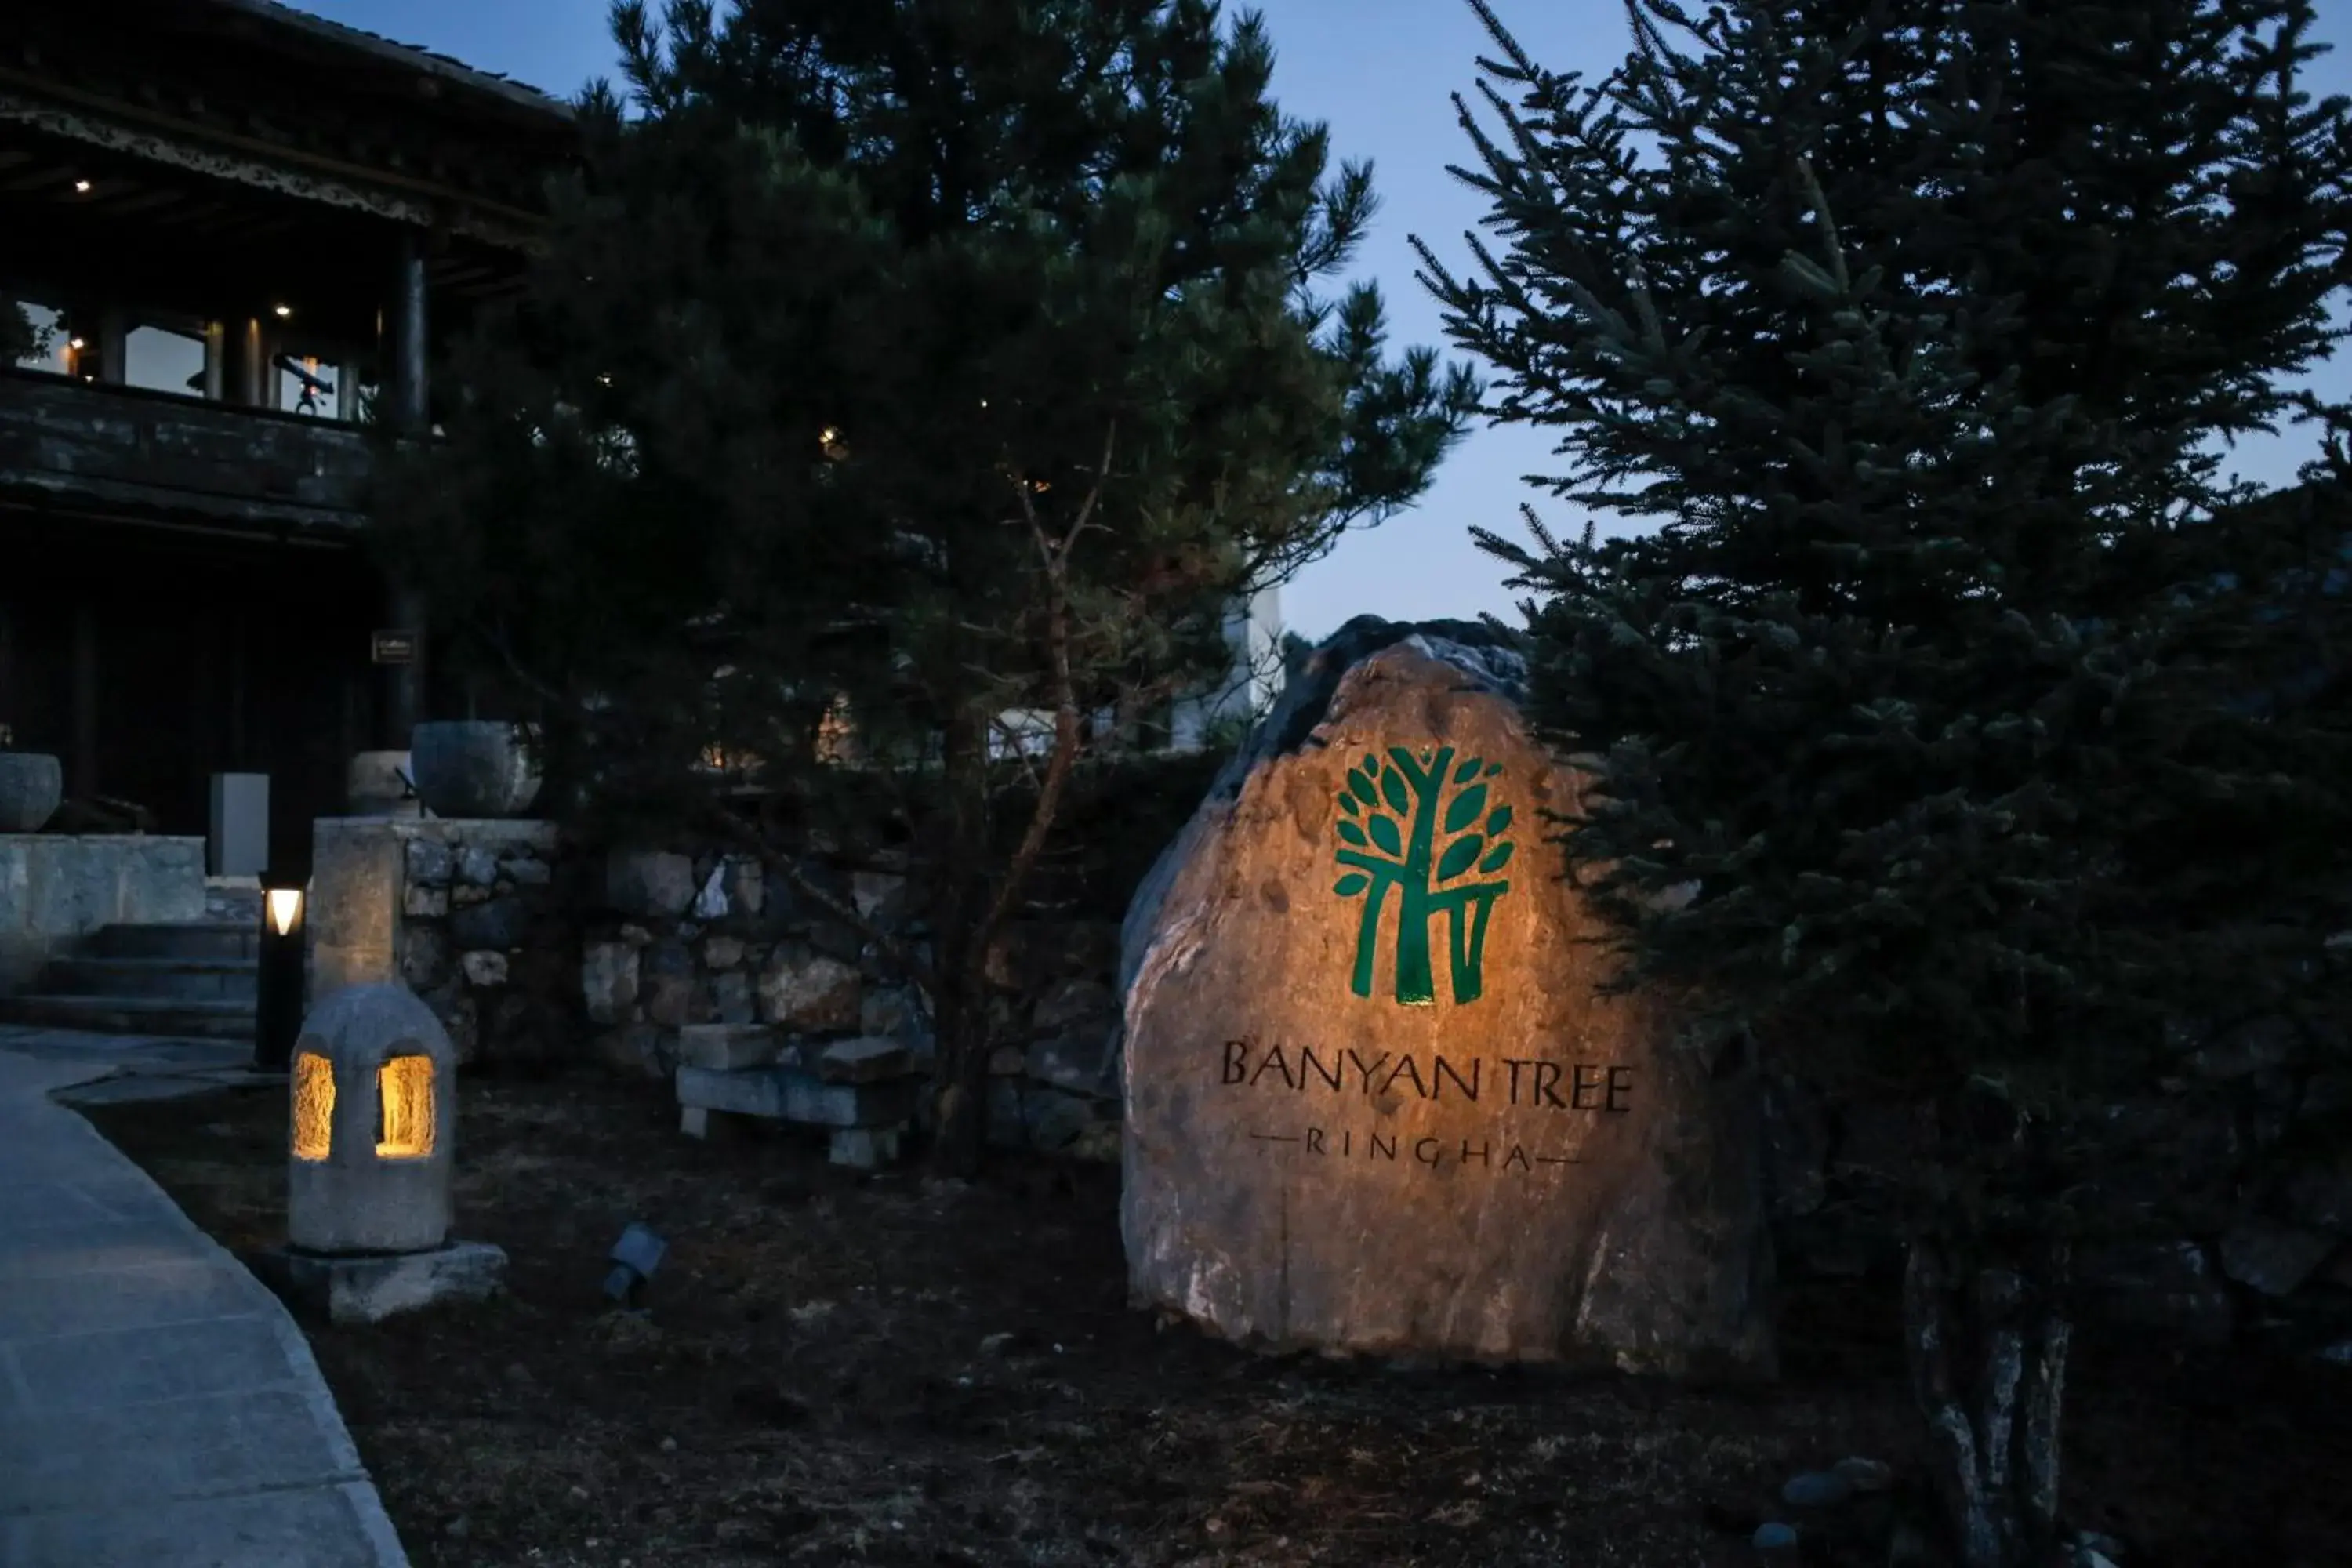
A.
pixel 32 785
pixel 466 768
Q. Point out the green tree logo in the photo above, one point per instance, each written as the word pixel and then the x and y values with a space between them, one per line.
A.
pixel 1389 826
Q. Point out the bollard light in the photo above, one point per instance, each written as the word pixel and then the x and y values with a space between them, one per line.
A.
pixel 634 1257
pixel 277 974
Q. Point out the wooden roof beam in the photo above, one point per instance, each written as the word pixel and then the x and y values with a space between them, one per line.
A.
pixel 432 73
pixel 138 200
pixel 163 139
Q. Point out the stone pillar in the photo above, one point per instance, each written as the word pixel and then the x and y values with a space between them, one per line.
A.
pixel 358 885
pixel 238 832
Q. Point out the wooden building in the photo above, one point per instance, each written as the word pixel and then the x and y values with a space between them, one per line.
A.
pixel 241 230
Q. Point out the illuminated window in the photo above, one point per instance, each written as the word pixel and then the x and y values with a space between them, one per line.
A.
pixel 404 1090
pixel 314 1106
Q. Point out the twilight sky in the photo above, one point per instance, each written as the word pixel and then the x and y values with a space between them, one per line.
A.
pixel 1378 72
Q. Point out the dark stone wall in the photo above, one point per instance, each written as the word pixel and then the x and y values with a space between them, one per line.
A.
pixel 2222 1205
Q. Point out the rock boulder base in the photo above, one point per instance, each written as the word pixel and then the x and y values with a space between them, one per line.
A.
pixel 1373 1102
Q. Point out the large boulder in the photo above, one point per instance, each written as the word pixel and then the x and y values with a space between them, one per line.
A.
pixel 1374 1103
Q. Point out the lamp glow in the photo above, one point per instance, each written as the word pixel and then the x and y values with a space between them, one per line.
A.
pixel 284 909
pixel 283 310
pixel 314 1106
pixel 405 1096
pixel 81 187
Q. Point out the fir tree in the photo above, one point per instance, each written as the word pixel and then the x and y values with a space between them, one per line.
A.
pixel 896 368
pixel 1909 328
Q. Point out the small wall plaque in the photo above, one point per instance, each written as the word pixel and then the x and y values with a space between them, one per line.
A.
pixel 393 647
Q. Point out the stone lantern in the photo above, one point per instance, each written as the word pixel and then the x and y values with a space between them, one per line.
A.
pixel 368 1170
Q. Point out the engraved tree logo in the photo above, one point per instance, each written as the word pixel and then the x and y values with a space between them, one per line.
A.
pixel 1394 815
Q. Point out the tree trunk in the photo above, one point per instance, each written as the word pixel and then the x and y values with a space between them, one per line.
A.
pixel 960 997
pixel 959 1088
pixel 1987 1339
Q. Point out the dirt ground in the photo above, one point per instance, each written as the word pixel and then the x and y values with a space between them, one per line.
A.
pixel 839 1368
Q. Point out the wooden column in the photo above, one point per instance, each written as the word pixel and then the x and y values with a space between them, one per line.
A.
pixel 113 345
pixel 208 714
pixel 8 715
pixel 217 377
pixel 409 402
pixel 404 694
pixel 253 363
pixel 240 747
pixel 84 780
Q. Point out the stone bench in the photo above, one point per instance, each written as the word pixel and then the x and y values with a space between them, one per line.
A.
pixel 861 1092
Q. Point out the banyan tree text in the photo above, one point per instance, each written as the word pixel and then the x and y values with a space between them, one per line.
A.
pixel 1537 1082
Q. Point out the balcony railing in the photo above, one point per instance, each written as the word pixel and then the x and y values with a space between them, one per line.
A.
pixel 83 446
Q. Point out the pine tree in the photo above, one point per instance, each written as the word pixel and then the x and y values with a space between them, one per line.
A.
pixel 1909 326
pixel 18 337
pixel 897 366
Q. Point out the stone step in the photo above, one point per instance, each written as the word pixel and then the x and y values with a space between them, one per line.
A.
pixel 167 1015
pixel 193 979
pixel 201 939
pixel 228 898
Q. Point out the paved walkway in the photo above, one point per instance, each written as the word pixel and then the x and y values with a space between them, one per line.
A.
pixel 158 1408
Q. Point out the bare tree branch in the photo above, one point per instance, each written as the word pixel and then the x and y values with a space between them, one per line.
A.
pixel 1068 741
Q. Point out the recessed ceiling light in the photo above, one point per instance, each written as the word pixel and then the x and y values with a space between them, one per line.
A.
pixel 284 310
pixel 82 186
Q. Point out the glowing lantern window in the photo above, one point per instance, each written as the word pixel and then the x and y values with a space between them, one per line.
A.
pixel 404 1090
pixel 314 1106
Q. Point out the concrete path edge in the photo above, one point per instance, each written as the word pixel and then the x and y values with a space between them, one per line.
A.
pixel 268 1523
